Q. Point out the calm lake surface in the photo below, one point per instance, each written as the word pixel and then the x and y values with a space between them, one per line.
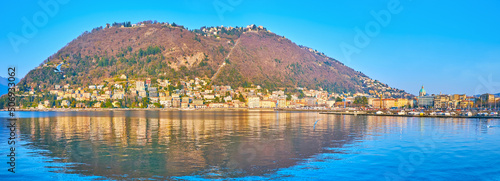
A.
pixel 248 145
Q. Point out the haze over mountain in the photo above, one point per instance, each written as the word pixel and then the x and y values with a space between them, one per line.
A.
pixel 226 55
pixel 4 85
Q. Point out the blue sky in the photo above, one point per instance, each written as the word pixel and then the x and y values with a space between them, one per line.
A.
pixel 449 47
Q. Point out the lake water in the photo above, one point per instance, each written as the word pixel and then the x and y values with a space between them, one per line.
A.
pixel 248 145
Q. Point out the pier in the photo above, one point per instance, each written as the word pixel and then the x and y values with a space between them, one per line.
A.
pixel 424 115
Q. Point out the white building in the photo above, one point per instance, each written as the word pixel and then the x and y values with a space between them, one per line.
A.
pixel 253 102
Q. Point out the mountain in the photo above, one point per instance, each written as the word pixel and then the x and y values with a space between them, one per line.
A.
pixel 479 95
pixel 226 55
pixel 4 85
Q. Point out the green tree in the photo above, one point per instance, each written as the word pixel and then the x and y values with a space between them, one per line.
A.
pixel 73 103
pixel 241 98
pixel 145 102
pixel 158 105
pixel 301 94
pixel 108 104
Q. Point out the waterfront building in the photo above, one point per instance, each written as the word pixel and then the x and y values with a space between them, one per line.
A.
pixel 185 100
pixel 425 101
pixel 166 101
pixel 282 103
pixel 197 102
pixel 311 101
pixel 370 101
pixel 384 103
pixel 442 101
pixel 267 104
pixel 330 103
pixel 403 103
pixel 253 102
pixel 176 102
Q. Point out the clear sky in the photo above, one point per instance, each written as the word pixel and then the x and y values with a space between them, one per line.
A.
pixel 449 47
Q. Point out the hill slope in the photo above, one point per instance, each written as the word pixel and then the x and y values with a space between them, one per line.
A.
pixel 228 56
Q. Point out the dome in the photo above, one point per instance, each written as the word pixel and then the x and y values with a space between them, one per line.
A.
pixel 422 91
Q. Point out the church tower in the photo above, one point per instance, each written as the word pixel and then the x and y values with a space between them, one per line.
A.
pixel 422 92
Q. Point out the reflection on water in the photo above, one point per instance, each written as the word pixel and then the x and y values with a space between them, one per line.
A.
pixel 166 144
pixel 146 144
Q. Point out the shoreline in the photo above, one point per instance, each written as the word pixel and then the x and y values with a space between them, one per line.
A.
pixel 417 116
pixel 320 111
pixel 136 109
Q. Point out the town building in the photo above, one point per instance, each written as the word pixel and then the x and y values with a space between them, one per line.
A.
pixel 253 102
pixel 425 101
pixel 487 98
pixel 384 103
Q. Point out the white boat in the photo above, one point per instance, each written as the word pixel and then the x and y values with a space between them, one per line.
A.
pixel 416 113
pixel 482 114
pixel 379 112
pixel 401 113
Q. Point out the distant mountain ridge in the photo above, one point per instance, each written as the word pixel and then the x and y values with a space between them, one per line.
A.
pixel 4 85
pixel 228 56
pixel 479 95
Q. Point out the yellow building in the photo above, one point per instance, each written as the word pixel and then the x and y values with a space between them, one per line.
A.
pixel 386 103
pixel 198 102
pixel 466 104
pixel 459 97
pixel 487 98
pixel 267 104
pixel 282 103
pixel 403 103
pixel 443 101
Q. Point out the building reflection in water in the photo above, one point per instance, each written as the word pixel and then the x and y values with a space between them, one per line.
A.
pixel 140 144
